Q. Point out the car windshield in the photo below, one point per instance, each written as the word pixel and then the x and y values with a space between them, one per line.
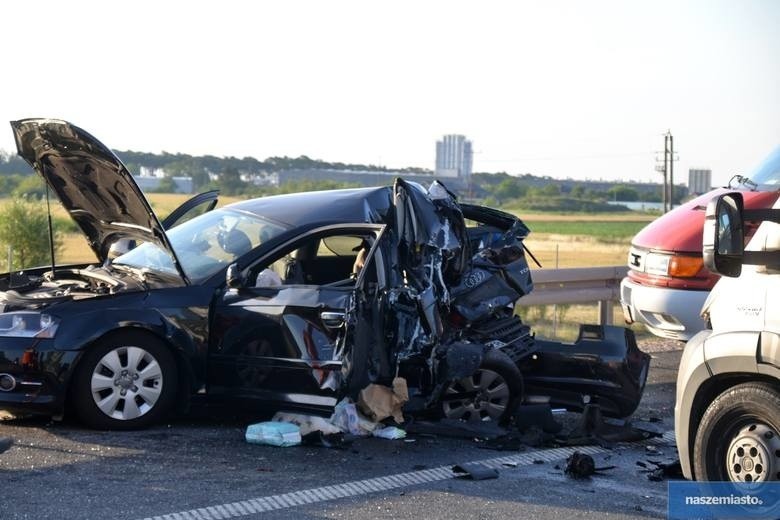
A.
pixel 767 174
pixel 205 244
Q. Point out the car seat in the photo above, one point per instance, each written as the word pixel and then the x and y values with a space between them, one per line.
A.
pixel 234 242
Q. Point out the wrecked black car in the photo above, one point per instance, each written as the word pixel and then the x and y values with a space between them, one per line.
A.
pixel 287 302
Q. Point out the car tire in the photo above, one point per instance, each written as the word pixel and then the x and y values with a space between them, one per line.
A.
pixel 491 393
pixel 125 382
pixel 738 437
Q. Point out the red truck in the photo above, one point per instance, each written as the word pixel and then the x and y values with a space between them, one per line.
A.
pixel 667 282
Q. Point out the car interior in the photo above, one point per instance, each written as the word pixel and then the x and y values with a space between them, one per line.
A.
pixel 320 260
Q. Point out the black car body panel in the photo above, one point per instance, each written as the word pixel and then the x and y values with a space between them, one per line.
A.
pixel 604 363
pixel 91 182
pixel 352 287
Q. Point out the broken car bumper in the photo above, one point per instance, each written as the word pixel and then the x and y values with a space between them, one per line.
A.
pixel 603 366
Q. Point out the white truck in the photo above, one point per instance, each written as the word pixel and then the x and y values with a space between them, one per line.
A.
pixel 727 410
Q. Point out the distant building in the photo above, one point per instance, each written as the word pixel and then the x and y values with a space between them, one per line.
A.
pixel 699 181
pixel 454 157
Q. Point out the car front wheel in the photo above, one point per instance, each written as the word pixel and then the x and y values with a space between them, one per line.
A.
pixel 125 382
pixel 738 438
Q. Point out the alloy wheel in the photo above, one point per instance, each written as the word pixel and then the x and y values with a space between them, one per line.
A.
pixel 126 383
pixel 482 396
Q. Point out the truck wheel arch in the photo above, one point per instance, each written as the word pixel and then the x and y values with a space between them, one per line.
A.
pixel 712 388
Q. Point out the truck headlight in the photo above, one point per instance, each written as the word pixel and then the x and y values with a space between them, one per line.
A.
pixel 28 324
pixel 679 266
pixel 657 263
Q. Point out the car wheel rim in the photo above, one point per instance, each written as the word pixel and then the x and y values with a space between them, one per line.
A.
pixel 753 454
pixel 482 396
pixel 126 383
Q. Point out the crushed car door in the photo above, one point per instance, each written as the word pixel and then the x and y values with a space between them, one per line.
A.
pixel 285 334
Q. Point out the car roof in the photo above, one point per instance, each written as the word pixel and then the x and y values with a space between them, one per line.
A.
pixel 300 209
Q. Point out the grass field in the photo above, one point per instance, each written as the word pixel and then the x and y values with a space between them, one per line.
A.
pixel 604 230
pixel 562 240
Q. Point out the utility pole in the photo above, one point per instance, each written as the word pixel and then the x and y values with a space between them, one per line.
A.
pixel 671 170
pixel 666 172
pixel 667 169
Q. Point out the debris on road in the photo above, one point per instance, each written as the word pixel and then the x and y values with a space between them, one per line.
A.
pixel 5 444
pixel 307 423
pixel 389 432
pixel 483 430
pixel 526 416
pixel 474 471
pixel 593 429
pixel 580 465
pixel 337 441
pixel 378 402
pixel 664 471
pixel 274 433
pixel 348 420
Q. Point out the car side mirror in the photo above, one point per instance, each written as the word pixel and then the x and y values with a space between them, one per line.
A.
pixel 723 236
pixel 233 277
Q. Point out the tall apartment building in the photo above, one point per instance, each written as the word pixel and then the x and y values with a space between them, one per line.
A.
pixel 454 157
pixel 699 181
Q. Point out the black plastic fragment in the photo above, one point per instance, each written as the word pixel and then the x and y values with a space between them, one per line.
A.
pixel 336 441
pixel 457 428
pixel 540 415
pixel 5 444
pixel 474 471
pixel 672 470
pixel 580 465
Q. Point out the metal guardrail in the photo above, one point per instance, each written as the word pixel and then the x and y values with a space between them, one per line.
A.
pixel 577 285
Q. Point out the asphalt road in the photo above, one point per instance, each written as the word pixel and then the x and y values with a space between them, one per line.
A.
pixel 203 469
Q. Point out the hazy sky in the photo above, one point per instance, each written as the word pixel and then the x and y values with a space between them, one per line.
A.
pixel 579 89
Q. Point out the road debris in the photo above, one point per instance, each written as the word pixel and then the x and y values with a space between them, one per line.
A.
pixel 389 432
pixel 474 471
pixel 274 433
pixel 594 429
pixel 307 423
pixel 665 471
pixel 580 465
pixel 527 416
pixel 378 402
pixel 337 441
pixel 483 430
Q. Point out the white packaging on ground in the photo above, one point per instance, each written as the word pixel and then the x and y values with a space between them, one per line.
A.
pixel 274 434
pixel 307 423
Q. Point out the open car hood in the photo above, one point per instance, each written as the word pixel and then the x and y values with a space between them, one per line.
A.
pixel 92 184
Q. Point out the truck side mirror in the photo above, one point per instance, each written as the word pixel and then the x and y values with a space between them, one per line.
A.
pixel 723 236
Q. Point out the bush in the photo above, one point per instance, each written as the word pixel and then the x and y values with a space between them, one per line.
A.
pixel 24 227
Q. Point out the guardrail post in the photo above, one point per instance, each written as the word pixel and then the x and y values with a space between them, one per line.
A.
pixel 605 312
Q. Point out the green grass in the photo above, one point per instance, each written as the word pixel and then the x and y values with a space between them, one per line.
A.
pixel 604 230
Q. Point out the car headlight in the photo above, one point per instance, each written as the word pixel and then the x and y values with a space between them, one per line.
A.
pixel 27 324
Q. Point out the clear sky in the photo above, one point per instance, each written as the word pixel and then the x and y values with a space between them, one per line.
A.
pixel 581 89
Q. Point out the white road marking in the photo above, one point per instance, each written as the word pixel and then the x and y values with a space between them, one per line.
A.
pixel 375 485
